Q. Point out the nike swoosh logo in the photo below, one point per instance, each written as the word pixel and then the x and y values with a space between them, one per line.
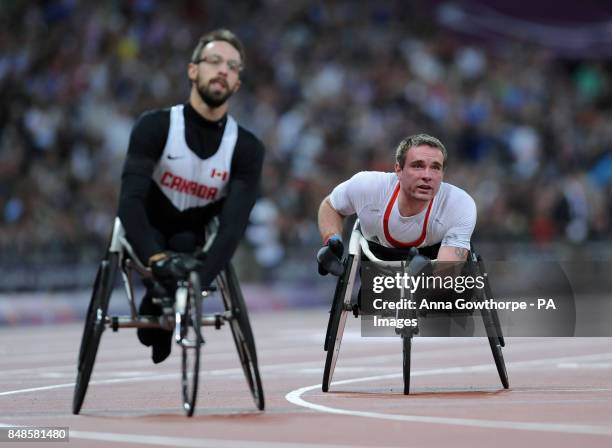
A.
pixel 171 157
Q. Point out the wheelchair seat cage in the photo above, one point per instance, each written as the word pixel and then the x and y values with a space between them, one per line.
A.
pixel 359 248
pixel 181 314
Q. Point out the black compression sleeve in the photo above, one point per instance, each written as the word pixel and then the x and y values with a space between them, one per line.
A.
pixel 147 143
pixel 233 219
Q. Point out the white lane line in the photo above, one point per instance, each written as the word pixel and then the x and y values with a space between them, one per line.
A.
pixel 598 389
pixel 146 377
pixel 275 367
pixel 585 365
pixel 187 441
pixel 295 397
pixel 145 361
pixel 110 381
pixel 192 442
pixel 122 363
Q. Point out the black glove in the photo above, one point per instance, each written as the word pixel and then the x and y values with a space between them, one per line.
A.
pixel 329 257
pixel 418 263
pixel 174 266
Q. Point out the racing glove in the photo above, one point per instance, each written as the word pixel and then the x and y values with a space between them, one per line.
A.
pixel 168 266
pixel 330 255
pixel 418 263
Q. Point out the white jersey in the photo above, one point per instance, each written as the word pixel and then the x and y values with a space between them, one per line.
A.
pixel 184 178
pixel 448 219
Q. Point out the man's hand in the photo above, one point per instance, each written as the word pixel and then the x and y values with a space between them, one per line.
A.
pixel 330 255
pixel 173 266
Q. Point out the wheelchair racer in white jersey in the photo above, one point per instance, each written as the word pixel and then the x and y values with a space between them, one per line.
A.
pixel 410 207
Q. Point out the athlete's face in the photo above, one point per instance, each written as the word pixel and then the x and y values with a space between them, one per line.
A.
pixel 422 174
pixel 216 76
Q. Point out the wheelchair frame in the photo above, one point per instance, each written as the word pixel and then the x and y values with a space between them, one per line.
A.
pixel 178 315
pixel 341 306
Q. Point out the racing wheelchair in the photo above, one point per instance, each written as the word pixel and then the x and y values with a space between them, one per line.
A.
pixel 182 314
pixel 361 250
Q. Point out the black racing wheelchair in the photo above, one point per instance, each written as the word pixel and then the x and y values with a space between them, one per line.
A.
pixel 183 314
pixel 361 250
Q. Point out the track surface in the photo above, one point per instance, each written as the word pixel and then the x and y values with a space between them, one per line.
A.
pixel 560 390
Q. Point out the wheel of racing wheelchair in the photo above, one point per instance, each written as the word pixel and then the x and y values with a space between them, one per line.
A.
pixel 493 329
pixel 489 295
pixel 335 326
pixel 94 326
pixel 496 348
pixel 406 349
pixel 242 333
pixel 191 341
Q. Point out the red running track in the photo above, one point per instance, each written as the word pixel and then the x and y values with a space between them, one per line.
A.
pixel 560 390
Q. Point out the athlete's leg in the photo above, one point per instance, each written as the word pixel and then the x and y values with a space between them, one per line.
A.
pixel 161 340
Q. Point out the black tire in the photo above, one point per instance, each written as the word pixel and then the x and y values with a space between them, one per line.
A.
pixel 496 348
pixel 498 329
pixel 406 349
pixel 191 336
pixel 94 326
pixel 242 333
pixel 335 327
pixel 489 295
pixel 498 356
pixel 330 321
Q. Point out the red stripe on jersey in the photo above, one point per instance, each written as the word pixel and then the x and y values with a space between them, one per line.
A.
pixel 390 239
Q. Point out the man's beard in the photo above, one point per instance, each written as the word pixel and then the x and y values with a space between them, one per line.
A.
pixel 213 99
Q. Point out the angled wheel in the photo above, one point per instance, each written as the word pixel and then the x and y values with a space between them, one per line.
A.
pixel 94 326
pixel 242 333
pixel 407 347
pixel 498 329
pixel 489 295
pixel 337 319
pixel 493 328
pixel 496 348
pixel 498 356
pixel 191 341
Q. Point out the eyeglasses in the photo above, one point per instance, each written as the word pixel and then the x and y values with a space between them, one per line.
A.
pixel 216 61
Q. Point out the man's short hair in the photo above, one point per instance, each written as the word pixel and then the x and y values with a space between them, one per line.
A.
pixel 418 140
pixel 222 35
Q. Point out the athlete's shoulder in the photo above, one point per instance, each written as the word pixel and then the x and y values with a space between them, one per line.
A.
pixel 456 194
pixel 374 178
pixel 149 133
pixel 370 185
pixel 378 184
pixel 249 153
pixel 154 121
pixel 247 139
pixel 458 202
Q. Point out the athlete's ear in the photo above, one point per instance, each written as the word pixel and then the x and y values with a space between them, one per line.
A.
pixel 192 71
pixel 398 169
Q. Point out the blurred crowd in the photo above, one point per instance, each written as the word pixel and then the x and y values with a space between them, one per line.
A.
pixel 331 87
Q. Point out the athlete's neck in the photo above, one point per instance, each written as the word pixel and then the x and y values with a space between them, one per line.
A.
pixel 210 113
pixel 409 206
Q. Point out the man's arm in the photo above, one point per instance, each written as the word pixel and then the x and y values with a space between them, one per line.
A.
pixel 330 221
pixel 330 225
pixel 456 243
pixel 331 217
pixel 234 217
pixel 450 253
pixel 147 143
